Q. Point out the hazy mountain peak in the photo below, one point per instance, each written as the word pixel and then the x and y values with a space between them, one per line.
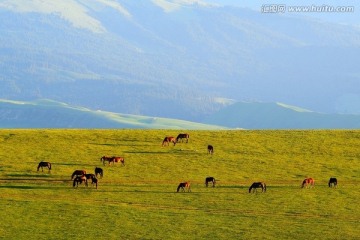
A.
pixel 73 11
pixel 173 5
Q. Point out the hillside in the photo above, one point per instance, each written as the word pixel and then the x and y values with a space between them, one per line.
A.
pixel 174 58
pixel 51 114
pixel 280 116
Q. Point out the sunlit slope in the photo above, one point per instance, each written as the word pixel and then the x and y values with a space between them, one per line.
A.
pixel 51 114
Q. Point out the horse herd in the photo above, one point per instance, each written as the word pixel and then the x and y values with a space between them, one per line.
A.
pixel 81 176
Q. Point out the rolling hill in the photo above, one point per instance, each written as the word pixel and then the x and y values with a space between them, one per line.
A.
pixel 46 113
pixel 51 114
pixel 280 116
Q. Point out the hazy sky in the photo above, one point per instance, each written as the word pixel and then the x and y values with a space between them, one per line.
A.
pixel 352 18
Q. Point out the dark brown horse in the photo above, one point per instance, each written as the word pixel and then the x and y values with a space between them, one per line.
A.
pixel 308 182
pixel 44 164
pixel 332 182
pixel 211 180
pixel 183 186
pixel 181 136
pixel 78 173
pixel 168 140
pixel 210 149
pixel 103 159
pixel 257 185
pixel 80 179
pixel 99 171
pixel 93 179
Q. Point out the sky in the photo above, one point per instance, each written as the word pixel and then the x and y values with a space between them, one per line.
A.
pixel 346 18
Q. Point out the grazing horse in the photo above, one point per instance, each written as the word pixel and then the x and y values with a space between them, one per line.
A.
pixel 119 159
pixel 257 185
pixel 77 173
pixel 184 185
pixel 210 149
pixel 168 140
pixel 44 164
pixel 80 179
pixel 103 159
pixel 99 171
pixel 181 136
pixel 332 182
pixel 308 182
pixel 210 179
pixel 93 179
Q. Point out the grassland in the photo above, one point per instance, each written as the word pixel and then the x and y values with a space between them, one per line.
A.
pixel 139 200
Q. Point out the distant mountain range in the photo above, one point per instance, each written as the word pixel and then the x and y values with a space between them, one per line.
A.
pixel 51 114
pixel 183 59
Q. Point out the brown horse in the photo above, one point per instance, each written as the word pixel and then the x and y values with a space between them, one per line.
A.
pixel 44 164
pixel 99 171
pixel 78 173
pixel 168 140
pixel 210 149
pixel 119 159
pixel 257 185
pixel 333 182
pixel 210 179
pixel 184 185
pixel 80 179
pixel 181 136
pixel 308 182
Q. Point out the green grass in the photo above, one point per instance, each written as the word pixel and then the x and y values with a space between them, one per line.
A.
pixel 139 200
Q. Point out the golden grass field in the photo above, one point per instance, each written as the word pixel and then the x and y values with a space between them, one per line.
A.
pixel 139 200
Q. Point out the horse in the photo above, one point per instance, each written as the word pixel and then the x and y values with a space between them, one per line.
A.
pixel 210 149
pixel 80 179
pixel 210 179
pixel 168 140
pixel 181 136
pixel 332 182
pixel 184 185
pixel 77 173
pixel 308 182
pixel 257 185
pixel 99 171
pixel 105 158
pixel 93 178
pixel 44 164
pixel 119 159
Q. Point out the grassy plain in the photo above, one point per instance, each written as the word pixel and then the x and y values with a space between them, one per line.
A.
pixel 139 200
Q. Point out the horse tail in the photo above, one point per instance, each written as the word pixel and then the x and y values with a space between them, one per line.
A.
pixel 264 186
pixel 49 166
